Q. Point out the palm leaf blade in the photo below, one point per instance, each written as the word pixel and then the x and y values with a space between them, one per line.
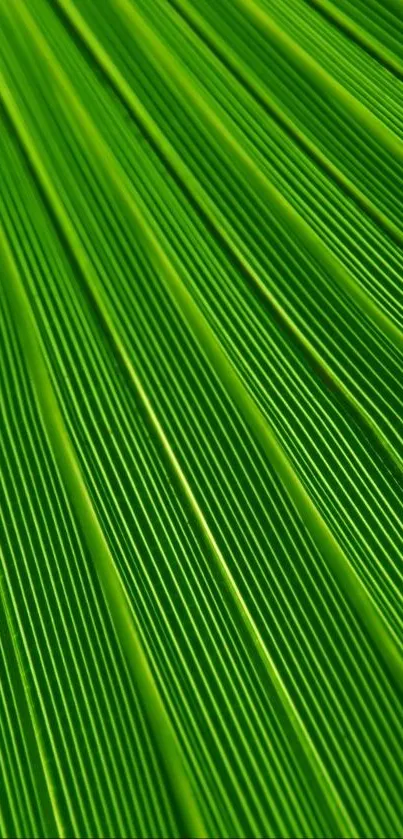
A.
pixel 201 586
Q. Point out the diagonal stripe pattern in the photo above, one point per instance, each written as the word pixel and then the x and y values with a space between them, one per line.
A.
pixel 201 336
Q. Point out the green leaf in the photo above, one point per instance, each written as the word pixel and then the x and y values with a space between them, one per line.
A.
pixel 201 370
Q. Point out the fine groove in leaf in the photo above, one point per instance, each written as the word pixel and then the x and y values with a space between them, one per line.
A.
pixel 325 82
pixel 358 33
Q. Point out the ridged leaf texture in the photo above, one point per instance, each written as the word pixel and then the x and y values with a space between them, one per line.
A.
pixel 201 324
